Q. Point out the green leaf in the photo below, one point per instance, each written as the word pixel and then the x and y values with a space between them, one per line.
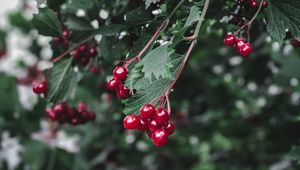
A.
pixel 110 30
pixel 139 45
pixel 138 16
pixel 193 16
pixel 282 15
pixel 148 2
pixel 8 89
pixel 146 91
pixel 79 24
pixel 47 23
pixel 157 63
pixel 61 81
pixel 81 4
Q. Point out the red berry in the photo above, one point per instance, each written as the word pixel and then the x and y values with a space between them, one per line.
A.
pixel 39 87
pixel 62 118
pixel 82 48
pixel 161 115
pixel 113 84
pixel 169 127
pixel 61 108
pixel 81 107
pixel 239 43
pixel 229 39
pixel 75 55
pixel 92 52
pixel 264 4
pixel 75 121
pixel 160 137
pixel 295 43
pixel 58 40
pixel 123 92
pixel 143 125
pixel 95 70
pixel 92 115
pixel 66 33
pixel 147 111
pixel 153 125
pixel 254 3
pixel 120 73
pixel 51 114
pixel 246 50
pixel 149 133
pixel 131 121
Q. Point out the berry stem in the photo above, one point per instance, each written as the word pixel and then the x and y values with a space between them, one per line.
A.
pixel 252 19
pixel 168 104
pixel 56 59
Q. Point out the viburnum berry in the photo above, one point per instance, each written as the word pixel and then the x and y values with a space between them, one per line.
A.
pixel 51 114
pixel 92 52
pixel 153 125
pixel 239 44
pixel 264 4
pixel 169 127
pixel 147 111
pixel 254 3
pixel 113 84
pixel 120 73
pixel 246 50
pixel 81 107
pixel 131 121
pixel 160 137
pixel 61 108
pixel 229 39
pixel 39 87
pixel 143 125
pixel 123 92
pixel 161 115
pixel 92 115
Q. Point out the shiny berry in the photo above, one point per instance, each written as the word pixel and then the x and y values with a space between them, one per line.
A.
pixel 113 84
pixel 239 43
pixel 61 108
pixel 246 50
pixel 131 121
pixel 81 107
pixel 143 125
pixel 161 115
pixel 75 54
pixel 75 121
pixel 120 73
pixel 123 92
pixel 254 3
pixel 39 87
pixel 66 34
pixel 51 114
pixel 169 127
pixel 82 48
pixel 264 4
pixel 160 137
pixel 92 115
pixel 92 52
pixel 229 40
pixel 147 111
pixel 153 125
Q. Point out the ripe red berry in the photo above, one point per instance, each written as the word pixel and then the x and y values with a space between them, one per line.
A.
pixel 153 125
pixel 75 55
pixel 92 115
pixel 254 3
pixel 66 33
pixel 75 121
pixel 61 108
pixel 120 73
pixel 143 125
pixel 95 70
pixel 92 52
pixel 264 4
pixel 246 50
pixel 39 87
pixel 51 114
pixel 113 84
pixel 239 43
pixel 123 92
pixel 169 127
pixel 229 39
pixel 147 111
pixel 131 121
pixel 161 115
pixel 160 137
pixel 82 48
pixel 81 107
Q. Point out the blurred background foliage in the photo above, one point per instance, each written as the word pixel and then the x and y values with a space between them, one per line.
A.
pixel 230 112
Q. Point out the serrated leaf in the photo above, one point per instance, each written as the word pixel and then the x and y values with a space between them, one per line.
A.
pixel 138 16
pixel 148 2
pixel 193 16
pixel 47 23
pixel 79 24
pixel 282 15
pixel 60 81
pixel 157 63
pixel 146 91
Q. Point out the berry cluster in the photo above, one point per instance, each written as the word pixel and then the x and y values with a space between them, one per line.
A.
pixel 63 113
pixel 155 122
pixel 83 54
pixel 64 40
pixel 116 83
pixel 253 3
pixel 243 48
pixel 39 87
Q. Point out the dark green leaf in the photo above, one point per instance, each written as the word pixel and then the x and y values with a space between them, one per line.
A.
pixel 110 30
pixel 8 88
pixel 47 23
pixel 139 45
pixel 78 23
pixel 61 80
pixel 282 15
pixel 148 2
